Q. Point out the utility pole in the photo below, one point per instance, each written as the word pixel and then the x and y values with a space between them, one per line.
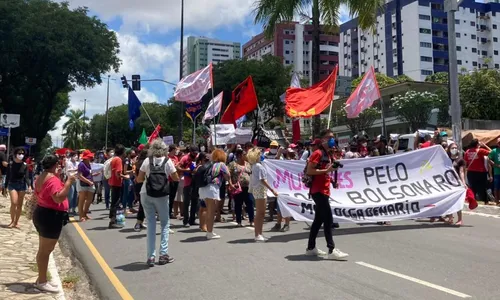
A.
pixel 181 113
pixel 84 108
pixel 451 6
pixel 107 116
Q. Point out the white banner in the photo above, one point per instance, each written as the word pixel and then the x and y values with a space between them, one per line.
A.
pixel 412 185
pixel 168 140
pixel 213 108
pixel 227 134
pixel 192 87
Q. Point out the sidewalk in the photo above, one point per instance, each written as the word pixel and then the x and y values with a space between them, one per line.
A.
pixel 18 270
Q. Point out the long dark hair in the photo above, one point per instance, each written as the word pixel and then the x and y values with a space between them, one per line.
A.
pixel 140 159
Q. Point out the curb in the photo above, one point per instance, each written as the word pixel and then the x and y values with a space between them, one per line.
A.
pixel 52 268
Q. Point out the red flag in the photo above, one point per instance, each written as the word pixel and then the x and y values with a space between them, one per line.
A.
pixel 363 96
pixel 243 101
pixel 309 102
pixel 296 130
pixel 155 134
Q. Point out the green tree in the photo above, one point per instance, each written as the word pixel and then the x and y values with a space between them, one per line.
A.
pixel 47 50
pixel 415 108
pixel 272 12
pixel 74 129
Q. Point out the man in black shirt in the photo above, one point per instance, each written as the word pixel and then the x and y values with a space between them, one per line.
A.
pixel 3 168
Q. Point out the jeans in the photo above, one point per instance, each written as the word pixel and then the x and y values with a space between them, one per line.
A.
pixel 174 185
pixel 189 214
pixel 322 215
pixel 73 197
pixel 116 192
pixel 239 199
pixel 151 206
pixel 107 191
pixel 128 194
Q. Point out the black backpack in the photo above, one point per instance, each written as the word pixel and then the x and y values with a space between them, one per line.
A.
pixel 203 176
pixel 157 184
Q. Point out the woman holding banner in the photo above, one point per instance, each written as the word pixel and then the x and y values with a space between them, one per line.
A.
pixel 459 166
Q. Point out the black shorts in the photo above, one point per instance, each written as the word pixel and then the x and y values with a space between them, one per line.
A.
pixel 49 222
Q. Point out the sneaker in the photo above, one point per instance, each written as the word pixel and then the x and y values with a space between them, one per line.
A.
pixel 186 225
pixel 315 252
pixel 165 259
pixel 335 225
pixel 137 227
pixel 46 287
pixel 212 236
pixel 170 231
pixel 143 226
pixel 260 239
pixel 285 228
pixel 115 226
pixel 336 254
pixel 276 227
pixel 151 261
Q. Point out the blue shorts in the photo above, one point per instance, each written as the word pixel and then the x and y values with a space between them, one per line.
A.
pixel 496 182
pixel 17 186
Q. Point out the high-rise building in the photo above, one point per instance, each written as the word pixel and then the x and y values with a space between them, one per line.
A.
pixel 200 51
pixel 292 42
pixel 411 38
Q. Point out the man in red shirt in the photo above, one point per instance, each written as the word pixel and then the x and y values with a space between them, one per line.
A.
pixel 186 166
pixel 115 183
pixel 320 165
pixel 476 159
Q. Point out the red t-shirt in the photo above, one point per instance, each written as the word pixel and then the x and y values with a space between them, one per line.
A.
pixel 29 162
pixel 49 188
pixel 475 162
pixel 185 163
pixel 425 145
pixel 175 160
pixel 116 166
pixel 320 183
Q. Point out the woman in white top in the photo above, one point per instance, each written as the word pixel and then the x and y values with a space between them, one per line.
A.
pixel 71 169
pixel 154 172
pixel 258 188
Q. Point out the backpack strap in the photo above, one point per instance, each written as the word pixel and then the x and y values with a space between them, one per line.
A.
pixel 165 161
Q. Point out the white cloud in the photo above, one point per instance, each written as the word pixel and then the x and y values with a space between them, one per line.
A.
pixel 149 60
pixel 164 15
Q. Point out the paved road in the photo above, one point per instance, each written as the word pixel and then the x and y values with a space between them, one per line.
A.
pixel 408 260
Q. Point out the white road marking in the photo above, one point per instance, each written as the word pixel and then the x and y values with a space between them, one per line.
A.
pixel 472 213
pixel 412 279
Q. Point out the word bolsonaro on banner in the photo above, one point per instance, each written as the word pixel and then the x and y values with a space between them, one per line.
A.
pixel 412 185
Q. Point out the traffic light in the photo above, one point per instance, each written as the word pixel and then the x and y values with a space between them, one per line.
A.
pixel 136 82
pixel 124 81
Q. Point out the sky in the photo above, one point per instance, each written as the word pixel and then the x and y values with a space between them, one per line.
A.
pixel 149 35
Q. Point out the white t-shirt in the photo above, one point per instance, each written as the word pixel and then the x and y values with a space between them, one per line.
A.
pixel 258 173
pixel 305 155
pixel 169 169
pixel 71 167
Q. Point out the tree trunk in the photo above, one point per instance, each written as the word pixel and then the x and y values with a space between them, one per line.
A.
pixel 316 60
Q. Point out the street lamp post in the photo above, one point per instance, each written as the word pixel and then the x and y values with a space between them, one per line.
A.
pixel 181 116
pixel 451 6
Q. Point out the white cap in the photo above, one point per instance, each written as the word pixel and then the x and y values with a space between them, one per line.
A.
pixel 3 147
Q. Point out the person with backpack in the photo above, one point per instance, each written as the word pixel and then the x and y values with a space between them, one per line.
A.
pixel 154 174
pixel 209 188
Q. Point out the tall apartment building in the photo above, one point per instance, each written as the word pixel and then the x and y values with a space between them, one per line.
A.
pixel 411 38
pixel 292 42
pixel 200 51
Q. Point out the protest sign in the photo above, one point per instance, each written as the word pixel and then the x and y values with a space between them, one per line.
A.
pixel 412 185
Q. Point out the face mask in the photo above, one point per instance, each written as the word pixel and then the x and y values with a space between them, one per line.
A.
pixel 454 151
pixel 177 152
pixel 20 156
pixel 262 157
pixel 364 144
pixel 111 154
pixel 331 142
pixel 273 151
pixel 202 148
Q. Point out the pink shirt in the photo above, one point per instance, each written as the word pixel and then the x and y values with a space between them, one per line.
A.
pixel 50 187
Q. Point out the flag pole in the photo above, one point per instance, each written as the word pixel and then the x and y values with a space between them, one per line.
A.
pixel 329 115
pixel 154 126
pixel 213 119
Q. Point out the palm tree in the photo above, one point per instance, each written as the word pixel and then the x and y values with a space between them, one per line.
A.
pixel 272 12
pixel 74 129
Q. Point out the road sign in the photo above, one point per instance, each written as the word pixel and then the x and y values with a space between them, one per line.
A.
pixel 10 120
pixel 30 141
pixel 4 131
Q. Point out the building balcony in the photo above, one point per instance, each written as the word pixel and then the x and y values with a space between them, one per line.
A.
pixel 440 40
pixel 438 13
pixel 440 54
pixel 440 68
pixel 440 27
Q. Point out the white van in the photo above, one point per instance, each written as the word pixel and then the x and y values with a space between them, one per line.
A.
pixel 407 141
